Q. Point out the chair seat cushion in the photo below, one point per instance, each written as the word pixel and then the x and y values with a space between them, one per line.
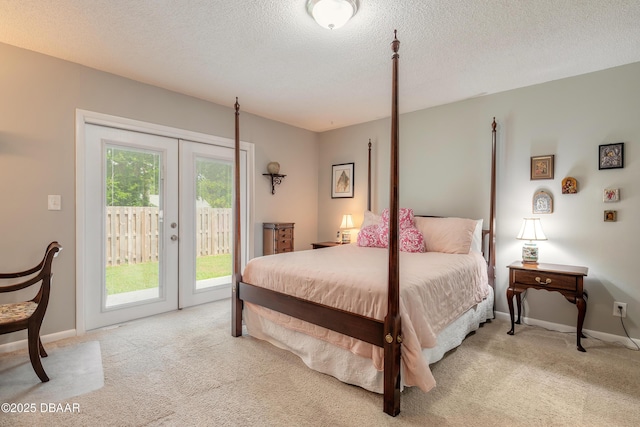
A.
pixel 17 311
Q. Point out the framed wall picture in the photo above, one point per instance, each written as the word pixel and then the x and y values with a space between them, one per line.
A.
pixel 542 167
pixel 569 185
pixel 611 195
pixel 611 156
pixel 342 180
pixel 542 203
pixel 610 216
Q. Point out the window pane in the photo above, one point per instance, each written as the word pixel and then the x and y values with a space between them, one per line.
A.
pixel 213 222
pixel 133 215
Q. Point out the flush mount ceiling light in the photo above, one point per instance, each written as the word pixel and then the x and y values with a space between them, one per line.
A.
pixel 332 14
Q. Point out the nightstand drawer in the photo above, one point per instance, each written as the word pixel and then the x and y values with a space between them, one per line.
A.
pixel 325 245
pixel 546 280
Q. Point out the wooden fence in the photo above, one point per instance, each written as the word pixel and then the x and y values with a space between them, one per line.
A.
pixel 133 235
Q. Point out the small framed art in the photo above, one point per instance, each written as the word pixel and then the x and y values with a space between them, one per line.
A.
pixel 569 185
pixel 611 156
pixel 542 167
pixel 542 203
pixel 342 180
pixel 611 195
pixel 610 216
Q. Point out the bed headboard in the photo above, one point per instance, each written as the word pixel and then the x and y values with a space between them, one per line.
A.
pixel 488 234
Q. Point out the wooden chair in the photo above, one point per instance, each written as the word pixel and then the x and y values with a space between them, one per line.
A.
pixel 29 314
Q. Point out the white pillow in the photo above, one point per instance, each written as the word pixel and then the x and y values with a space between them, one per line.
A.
pixel 370 219
pixel 476 241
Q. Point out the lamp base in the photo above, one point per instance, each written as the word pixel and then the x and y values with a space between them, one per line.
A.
pixel 346 237
pixel 529 253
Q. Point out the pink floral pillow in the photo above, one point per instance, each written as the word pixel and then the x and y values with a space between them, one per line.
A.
pixel 410 239
pixel 369 236
pixel 405 218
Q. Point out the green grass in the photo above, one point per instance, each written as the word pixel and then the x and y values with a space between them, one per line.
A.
pixel 135 277
pixel 208 267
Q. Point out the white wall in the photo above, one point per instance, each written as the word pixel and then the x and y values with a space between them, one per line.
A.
pixel 445 154
pixel 445 170
pixel 40 95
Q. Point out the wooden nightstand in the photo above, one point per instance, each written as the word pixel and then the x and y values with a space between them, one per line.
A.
pixel 566 279
pixel 324 245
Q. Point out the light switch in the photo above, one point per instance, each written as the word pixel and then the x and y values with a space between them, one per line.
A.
pixel 55 202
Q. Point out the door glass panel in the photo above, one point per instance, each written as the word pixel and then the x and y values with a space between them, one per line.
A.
pixel 214 230
pixel 132 231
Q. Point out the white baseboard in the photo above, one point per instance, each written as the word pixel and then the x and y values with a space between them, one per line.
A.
pixel 623 340
pixel 22 344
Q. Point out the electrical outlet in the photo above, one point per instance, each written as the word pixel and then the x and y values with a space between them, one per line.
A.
pixel 620 309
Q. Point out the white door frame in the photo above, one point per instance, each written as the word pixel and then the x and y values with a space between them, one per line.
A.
pixel 85 117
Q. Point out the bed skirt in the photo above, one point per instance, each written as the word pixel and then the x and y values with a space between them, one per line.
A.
pixel 349 368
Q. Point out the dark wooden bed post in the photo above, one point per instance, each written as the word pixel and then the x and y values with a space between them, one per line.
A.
pixel 392 326
pixel 492 211
pixel 369 179
pixel 387 334
pixel 236 302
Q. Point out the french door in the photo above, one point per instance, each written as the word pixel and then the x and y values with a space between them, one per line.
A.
pixel 205 245
pixel 158 226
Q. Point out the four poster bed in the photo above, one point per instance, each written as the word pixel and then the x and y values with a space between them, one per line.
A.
pixel 342 309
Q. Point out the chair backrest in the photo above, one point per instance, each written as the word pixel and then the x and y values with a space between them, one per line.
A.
pixel 40 273
pixel 42 298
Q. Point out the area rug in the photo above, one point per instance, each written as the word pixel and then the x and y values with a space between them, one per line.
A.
pixel 72 371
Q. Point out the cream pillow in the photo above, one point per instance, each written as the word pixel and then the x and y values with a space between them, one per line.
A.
pixel 476 242
pixel 370 219
pixel 447 235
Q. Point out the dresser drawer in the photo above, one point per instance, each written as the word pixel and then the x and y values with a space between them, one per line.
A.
pixel 284 245
pixel 285 233
pixel 546 280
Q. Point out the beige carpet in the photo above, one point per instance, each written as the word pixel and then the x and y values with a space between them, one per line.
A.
pixel 183 368
pixel 73 370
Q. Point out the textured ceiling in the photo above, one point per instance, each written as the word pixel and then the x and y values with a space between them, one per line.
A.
pixel 283 66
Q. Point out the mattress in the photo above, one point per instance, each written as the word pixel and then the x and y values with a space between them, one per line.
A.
pixel 350 368
pixel 436 290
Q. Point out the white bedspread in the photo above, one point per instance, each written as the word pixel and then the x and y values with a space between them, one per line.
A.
pixel 435 289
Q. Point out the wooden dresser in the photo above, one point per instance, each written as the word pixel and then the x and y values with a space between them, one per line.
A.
pixel 277 237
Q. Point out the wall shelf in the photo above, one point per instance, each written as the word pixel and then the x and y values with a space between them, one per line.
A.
pixel 276 179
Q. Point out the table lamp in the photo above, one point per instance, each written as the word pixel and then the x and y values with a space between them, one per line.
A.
pixel 532 231
pixel 346 226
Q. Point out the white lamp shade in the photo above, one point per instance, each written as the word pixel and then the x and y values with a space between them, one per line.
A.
pixel 332 14
pixel 347 221
pixel 531 230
